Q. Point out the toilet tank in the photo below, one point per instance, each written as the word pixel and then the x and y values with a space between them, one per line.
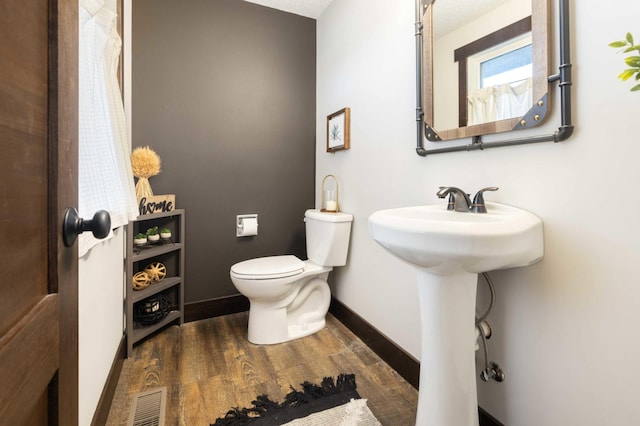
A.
pixel 327 237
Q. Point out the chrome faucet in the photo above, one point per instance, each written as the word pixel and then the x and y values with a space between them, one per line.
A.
pixel 460 201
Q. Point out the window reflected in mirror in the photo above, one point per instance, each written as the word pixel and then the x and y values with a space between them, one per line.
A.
pixel 499 77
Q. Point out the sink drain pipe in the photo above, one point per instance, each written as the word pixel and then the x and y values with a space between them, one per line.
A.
pixel 491 369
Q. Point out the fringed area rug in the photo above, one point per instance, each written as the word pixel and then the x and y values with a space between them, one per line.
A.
pixel 328 404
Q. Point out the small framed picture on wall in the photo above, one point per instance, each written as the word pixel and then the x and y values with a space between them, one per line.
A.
pixel 338 130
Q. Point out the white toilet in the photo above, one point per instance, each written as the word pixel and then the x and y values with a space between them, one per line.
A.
pixel 289 297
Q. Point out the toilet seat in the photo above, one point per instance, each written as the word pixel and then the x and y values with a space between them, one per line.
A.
pixel 266 268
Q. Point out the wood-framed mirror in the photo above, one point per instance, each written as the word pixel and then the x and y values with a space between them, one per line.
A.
pixel 485 66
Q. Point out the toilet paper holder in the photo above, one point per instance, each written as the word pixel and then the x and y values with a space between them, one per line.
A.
pixel 246 225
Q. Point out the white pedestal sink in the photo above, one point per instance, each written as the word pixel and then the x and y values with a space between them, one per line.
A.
pixel 449 249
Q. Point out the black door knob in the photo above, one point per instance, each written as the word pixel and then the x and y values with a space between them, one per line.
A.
pixel 73 225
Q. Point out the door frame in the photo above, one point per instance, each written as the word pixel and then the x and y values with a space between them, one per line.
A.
pixel 63 193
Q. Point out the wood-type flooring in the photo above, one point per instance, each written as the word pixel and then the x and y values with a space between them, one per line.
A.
pixel 209 366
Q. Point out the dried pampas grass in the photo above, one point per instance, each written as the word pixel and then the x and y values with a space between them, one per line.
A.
pixel 144 163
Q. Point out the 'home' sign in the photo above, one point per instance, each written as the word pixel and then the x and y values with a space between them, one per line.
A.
pixel 157 204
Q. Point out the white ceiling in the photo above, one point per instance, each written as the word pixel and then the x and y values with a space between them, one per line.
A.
pixel 452 14
pixel 309 8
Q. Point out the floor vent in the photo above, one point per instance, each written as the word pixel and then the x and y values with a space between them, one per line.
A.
pixel 147 408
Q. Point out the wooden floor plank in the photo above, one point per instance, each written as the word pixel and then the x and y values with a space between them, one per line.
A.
pixel 209 367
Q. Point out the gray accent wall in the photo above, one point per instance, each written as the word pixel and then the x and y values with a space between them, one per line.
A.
pixel 224 92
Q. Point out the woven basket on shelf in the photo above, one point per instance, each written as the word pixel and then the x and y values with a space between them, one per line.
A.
pixel 152 310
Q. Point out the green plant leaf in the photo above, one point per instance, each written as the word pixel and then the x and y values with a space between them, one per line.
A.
pixel 633 61
pixel 617 44
pixel 626 74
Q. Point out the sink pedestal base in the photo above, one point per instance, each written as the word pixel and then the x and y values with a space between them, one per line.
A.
pixel 447 395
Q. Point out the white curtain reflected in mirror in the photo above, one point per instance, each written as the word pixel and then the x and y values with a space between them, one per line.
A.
pixel 500 102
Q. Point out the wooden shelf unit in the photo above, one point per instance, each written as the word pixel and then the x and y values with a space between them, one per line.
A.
pixel 171 254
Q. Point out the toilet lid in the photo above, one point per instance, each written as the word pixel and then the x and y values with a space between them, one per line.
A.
pixel 269 267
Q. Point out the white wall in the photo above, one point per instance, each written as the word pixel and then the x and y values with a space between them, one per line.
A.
pixel 100 313
pixel 567 330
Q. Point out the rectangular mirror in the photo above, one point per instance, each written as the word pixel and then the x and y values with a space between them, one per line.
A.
pixel 485 66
